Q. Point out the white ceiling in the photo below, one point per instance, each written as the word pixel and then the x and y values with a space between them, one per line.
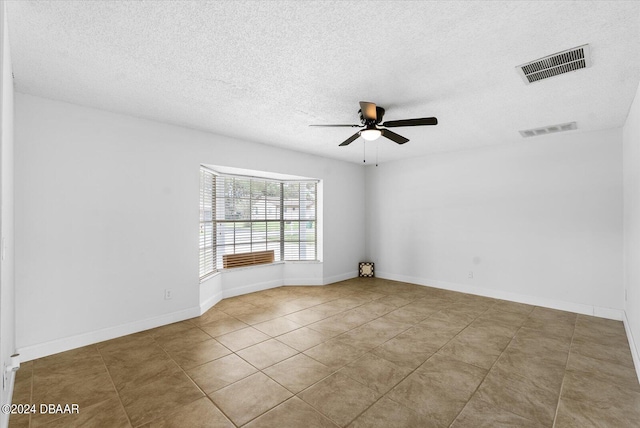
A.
pixel 263 71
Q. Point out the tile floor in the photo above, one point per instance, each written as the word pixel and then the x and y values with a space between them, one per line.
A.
pixel 359 353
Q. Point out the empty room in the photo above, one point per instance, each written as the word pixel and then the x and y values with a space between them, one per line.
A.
pixel 320 214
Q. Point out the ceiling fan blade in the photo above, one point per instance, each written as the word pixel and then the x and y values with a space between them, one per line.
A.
pixel 393 136
pixel 350 139
pixel 368 110
pixel 339 126
pixel 411 122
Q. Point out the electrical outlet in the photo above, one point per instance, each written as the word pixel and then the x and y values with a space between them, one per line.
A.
pixel 471 274
pixel 168 294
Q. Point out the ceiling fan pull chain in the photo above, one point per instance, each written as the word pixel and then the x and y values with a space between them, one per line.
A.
pixel 377 145
pixel 364 152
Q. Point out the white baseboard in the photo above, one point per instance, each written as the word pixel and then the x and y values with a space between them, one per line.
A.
pixel 32 352
pixel 340 277
pixel 210 302
pixel 610 313
pixel 632 345
pixel 251 288
pixel 303 281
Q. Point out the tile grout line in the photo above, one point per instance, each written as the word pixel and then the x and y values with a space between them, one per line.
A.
pixel 414 370
pixel 193 381
pixel 114 386
pixel 491 368
pixel 555 415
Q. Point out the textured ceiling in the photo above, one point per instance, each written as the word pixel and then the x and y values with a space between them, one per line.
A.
pixel 264 71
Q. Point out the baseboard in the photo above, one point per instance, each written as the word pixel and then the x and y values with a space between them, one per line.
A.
pixel 33 352
pixel 303 281
pixel 251 288
pixel 210 302
pixel 632 345
pixel 597 311
pixel 337 278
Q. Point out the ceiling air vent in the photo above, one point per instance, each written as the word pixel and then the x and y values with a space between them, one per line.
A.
pixel 548 129
pixel 553 65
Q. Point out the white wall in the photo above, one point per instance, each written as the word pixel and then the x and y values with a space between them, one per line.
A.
pixel 539 220
pixel 631 172
pixel 7 302
pixel 107 215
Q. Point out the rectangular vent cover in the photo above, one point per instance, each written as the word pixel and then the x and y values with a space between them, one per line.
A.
pixel 553 65
pixel 548 129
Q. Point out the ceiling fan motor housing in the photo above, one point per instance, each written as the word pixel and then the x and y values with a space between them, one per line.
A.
pixel 378 119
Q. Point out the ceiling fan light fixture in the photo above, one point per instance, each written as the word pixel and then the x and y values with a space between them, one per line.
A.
pixel 370 134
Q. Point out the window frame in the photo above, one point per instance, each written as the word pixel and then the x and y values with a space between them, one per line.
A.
pixel 284 220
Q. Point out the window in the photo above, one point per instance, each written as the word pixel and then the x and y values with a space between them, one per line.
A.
pixel 247 214
pixel 207 223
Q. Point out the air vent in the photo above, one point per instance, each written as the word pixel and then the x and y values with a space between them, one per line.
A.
pixel 548 129
pixel 553 65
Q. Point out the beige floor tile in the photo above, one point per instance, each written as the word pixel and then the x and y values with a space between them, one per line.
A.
pixel 234 305
pixel 378 307
pixel 303 338
pixel 340 398
pixel 405 315
pixel 375 372
pixel 292 413
pixel 67 367
pixel 249 398
pixel 127 376
pixel 267 353
pixel 159 398
pixel 258 315
pixel 90 390
pixel 595 327
pixel 521 308
pixel 479 414
pixel 126 344
pixel 298 372
pixel 306 316
pixel 555 323
pixel 334 354
pixel 435 331
pixel 373 333
pixel 360 339
pixel 386 413
pixel 543 372
pixel 616 354
pixel 600 392
pixel 519 395
pixel 277 326
pixel 515 319
pixel 439 389
pixel 182 339
pixel 605 371
pixel 578 414
pixel 222 326
pixel 219 373
pixel 480 345
pixel 199 353
pixel 536 342
pixel 201 413
pixel 19 421
pixel 108 413
pixel 242 338
pixel 406 351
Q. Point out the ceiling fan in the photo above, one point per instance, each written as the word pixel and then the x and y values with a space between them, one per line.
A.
pixel 371 116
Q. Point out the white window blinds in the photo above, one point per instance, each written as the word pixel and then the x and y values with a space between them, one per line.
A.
pixel 207 223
